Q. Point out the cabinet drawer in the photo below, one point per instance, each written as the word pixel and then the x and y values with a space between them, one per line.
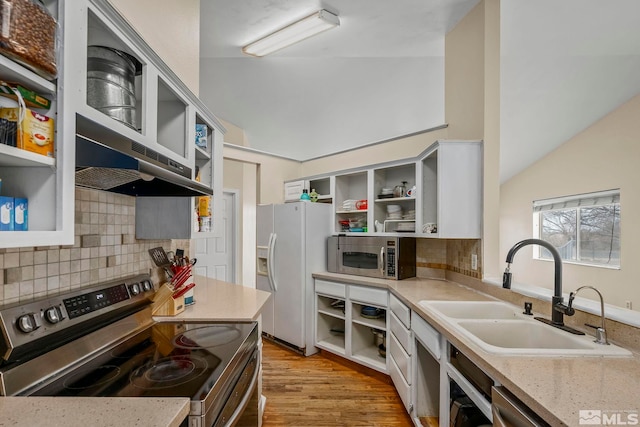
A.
pixel 399 309
pixel 293 190
pixel 404 391
pixel 425 333
pixel 402 359
pixel 377 297
pixel 402 334
pixel 331 288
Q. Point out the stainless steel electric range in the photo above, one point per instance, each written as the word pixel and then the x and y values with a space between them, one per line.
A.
pixel 101 341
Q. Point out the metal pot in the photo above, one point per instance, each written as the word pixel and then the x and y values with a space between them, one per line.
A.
pixel 379 338
pixel 111 83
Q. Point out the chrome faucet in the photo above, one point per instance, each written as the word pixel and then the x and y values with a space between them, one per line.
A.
pixel 558 309
pixel 601 333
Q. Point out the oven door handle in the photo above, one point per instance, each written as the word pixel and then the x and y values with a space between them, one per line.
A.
pixel 382 263
pixel 245 399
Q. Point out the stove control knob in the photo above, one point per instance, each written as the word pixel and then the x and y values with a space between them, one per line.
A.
pixel 28 323
pixel 134 289
pixel 146 286
pixel 53 315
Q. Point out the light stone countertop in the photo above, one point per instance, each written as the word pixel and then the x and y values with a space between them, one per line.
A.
pixel 91 411
pixel 556 388
pixel 216 301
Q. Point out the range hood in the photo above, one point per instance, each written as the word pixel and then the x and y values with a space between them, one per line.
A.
pixel 108 161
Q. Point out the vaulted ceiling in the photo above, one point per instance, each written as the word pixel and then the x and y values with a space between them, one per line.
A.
pixel 380 75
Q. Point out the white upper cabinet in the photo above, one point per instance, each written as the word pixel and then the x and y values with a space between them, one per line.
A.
pixel 394 198
pixel 157 115
pixel 436 194
pixel 163 109
pixel 46 181
pixel 451 189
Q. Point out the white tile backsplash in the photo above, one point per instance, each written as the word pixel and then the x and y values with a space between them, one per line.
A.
pixel 54 269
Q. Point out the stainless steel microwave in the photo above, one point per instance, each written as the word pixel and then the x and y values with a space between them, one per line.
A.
pixel 382 257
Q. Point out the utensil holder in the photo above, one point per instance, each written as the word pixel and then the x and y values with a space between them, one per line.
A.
pixel 164 304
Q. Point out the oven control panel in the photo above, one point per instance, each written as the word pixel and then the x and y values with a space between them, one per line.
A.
pixel 30 321
pixel 92 301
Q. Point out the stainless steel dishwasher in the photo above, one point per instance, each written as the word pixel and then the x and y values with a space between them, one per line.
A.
pixel 508 411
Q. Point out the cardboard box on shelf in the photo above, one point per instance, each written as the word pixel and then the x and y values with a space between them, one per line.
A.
pixel 30 98
pixel 6 213
pixel 35 132
pixel 201 136
pixel 20 214
pixel 204 206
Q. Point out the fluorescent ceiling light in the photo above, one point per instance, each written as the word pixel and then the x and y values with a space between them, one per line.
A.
pixel 300 30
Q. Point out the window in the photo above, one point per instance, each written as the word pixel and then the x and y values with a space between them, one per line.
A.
pixel 584 228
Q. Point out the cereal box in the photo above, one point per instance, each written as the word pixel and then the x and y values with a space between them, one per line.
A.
pixel 201 136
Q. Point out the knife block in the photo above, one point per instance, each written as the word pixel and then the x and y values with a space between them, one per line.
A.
pixel 163 303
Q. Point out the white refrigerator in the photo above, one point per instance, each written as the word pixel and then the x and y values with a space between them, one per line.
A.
pixel 291 245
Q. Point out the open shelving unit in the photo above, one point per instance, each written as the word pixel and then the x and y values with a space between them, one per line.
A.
pixel 358 342
pixel 329 322
pixel 443 192
pixel 47 182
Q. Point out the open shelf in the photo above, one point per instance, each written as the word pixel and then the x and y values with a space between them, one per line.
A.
pixel 364 348
pixel 326 335
pixel 357 317
pixel 12 156
pixel 202 155
pixel 396 200
pixel 355 211
pixel 325 307
pixel 172 119
pixel 13 72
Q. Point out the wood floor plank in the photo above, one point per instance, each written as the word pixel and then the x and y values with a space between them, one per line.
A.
pixel 316 391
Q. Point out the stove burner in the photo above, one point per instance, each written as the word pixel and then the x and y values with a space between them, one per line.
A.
pixel 168 372
pixel 206 337
pixel 101 375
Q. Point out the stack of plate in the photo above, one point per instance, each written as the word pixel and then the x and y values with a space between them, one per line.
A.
pixel 394 212
pixel 410 214
pixel 349 205
pixel 385 193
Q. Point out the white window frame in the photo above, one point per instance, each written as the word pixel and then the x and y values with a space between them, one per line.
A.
pixel 600 198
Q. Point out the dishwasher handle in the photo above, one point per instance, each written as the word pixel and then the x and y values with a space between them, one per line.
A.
pixel 508 411
pixel 497 417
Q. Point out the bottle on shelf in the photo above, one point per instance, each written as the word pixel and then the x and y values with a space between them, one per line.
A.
pixel 313 196
pixel 304 197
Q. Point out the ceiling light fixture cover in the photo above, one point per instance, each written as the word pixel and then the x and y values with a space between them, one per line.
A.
pixel 300 30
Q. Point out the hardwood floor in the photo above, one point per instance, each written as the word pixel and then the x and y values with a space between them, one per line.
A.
pixel 317 391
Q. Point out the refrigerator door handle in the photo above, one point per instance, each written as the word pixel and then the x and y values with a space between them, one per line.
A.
pixel 271 262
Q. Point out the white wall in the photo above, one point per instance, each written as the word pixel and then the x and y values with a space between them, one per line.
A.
pixel 394 150
pixel 602 157
pixel 172 30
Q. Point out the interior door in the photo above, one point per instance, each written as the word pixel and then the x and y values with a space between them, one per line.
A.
pixel 216 256
pixel 288 302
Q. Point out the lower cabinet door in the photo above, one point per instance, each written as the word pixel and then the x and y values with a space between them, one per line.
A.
pixel 403 389
pixel 400 356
